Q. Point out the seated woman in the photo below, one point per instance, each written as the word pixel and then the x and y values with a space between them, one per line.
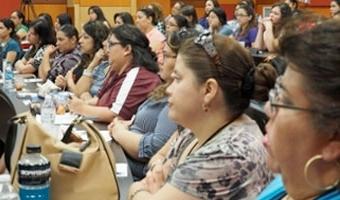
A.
pixel 269 29
pixel 96 14
pixel 67 55
pixel 208 6
pixel 39 36
pixel 159 18
pixel 335 9
pixel 92 37
pixel 10 48
pixel 131 78
pixel 247 30
pixel 222 157
pixel 20 24
pixel 94 76
pixel 146 21
pixel 123 18
pixel 189 12
pixel 176 23
pixel 218 22
pixel 306 154
pixel 62 20
pixel 151 128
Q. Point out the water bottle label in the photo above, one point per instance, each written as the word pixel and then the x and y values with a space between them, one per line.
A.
pixel 32 193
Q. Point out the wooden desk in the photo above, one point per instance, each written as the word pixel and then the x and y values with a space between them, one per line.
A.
pixel 123 182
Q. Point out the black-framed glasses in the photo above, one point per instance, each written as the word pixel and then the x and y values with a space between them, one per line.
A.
pixel 275 101
pixel 111 44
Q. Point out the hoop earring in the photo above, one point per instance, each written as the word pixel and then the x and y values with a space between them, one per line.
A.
pixel 312 161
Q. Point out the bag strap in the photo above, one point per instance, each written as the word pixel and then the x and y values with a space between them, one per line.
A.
pixel 67 136
pixel 106 148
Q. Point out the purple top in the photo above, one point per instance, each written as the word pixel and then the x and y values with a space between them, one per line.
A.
pixel 248 38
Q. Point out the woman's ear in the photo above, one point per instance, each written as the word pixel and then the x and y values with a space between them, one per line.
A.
pixel 127 50
pixel 210 90
pixel 74 39
pixel 331 152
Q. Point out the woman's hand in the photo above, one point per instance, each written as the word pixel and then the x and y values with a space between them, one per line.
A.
pixel 60 81
pixel 116 128
pixel 156 176
pixel 69 76
pixel 50 49
pixel 76 105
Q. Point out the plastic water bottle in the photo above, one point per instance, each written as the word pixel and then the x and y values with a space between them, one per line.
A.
pixel 8 74
pixel 6 190
pixel 48 111
pixel 34 175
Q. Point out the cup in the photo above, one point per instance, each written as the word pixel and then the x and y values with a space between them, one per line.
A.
pixel 61 100
pixel 19 82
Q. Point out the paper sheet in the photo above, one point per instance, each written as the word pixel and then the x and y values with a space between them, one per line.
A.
pixel 121 169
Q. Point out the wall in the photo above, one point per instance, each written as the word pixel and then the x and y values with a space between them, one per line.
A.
pixel 7 6
pixel 109 7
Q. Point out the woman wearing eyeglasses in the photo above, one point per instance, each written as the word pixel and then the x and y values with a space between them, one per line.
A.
pixel 303 132
pixel 132 76
pixel 222 157
pixel 247 30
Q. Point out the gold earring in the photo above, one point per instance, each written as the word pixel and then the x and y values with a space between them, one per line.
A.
pixel 312 161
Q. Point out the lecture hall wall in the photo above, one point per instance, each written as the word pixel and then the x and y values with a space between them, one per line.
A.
pixel 78 8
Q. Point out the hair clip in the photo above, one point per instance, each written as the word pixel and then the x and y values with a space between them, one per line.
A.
pixel 205 40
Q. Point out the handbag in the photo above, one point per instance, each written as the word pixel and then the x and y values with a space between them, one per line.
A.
pixel 78 171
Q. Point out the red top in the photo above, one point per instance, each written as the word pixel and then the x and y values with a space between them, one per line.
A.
pixel 124 93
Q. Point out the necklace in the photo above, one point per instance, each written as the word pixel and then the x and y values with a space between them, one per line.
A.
pixel 212 135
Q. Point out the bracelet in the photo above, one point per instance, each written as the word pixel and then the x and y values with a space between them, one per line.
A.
pixel 136 192
pixel 87 73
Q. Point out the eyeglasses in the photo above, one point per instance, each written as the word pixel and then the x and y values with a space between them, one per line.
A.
pixel 276 102
pixel 111 44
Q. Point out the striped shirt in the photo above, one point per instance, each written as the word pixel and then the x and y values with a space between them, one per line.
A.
pixel 63 63
pixel 124 93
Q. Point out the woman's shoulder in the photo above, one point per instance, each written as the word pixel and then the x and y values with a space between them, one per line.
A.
pixel 13 44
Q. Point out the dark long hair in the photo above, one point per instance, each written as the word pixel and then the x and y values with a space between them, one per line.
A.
pixel 148 12
pixel 99 33
pixel 220 13
pixel 99 12
pixel 45 32
pixel 21 16
pixel 286 13
pixel 250 12
pixel 70 31
pixel 64 18
pixel 9 24
pixel 190 11
pixel 125 16
pixel 142 54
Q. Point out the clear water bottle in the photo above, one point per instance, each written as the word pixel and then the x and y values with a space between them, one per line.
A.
pixel 6 190
pixel 48 111
pixel 8 75
pixel 34 175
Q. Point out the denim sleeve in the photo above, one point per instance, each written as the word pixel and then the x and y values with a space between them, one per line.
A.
pixel 151 142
